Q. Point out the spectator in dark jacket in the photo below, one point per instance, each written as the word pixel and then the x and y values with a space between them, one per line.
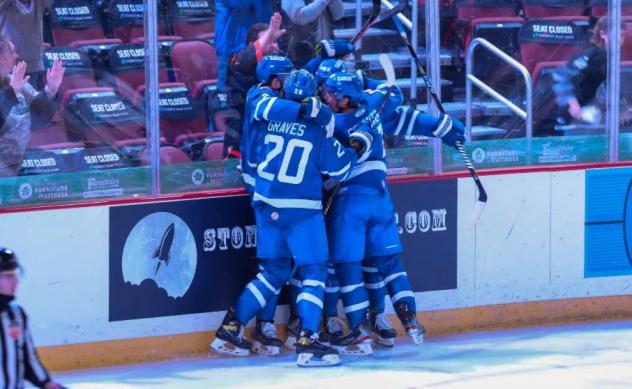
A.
pixel 576 84
pixel 261 40
pixel 232 21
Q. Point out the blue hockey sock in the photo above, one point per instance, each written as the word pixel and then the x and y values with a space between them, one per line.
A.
pixel 354 296
pixel 332 293
pixel 258 291
pixel 267 312
pixel 374 284
pixel 309 303
pixel 396 280
pixel 294 289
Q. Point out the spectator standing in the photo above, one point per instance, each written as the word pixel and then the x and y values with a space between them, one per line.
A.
pixel 20 105
pixel 233 18
pixel 308 22
pixel 261 40
pixel 22 21
pixel 18 349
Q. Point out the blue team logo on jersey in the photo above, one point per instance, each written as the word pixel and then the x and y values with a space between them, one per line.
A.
pixel 160 252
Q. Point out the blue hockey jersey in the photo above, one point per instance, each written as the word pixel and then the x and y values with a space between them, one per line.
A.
pixel 370 172
pixel 262 103
pixel 292 156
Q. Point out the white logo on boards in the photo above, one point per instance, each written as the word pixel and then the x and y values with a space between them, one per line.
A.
pixel 161 248
pixel 197 176
pixel 223 238
pixel 26 191
pixel 433 220
pixel 478 155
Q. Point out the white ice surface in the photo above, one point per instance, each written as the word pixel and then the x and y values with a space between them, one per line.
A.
pixel 592 355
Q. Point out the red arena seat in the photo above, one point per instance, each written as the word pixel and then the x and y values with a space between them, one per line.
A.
pixel 54 133
pixel 195 144
pixel 126 20
pixel 194 63
pixel 600 7
pixel 548 8
pixel 191 19
pixel 100 115
pixel 557 39
pixel 626 49
pixel 467 10
pixel 168 155
pixel 214 151
pixel 179 113
pixel 127 67
pixel 74 19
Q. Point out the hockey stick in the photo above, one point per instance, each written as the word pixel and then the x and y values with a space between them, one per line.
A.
pixel 389 71
pixel 376 17
pixel 482 194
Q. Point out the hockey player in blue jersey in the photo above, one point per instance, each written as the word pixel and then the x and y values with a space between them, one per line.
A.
pixel 384 332
pixel 361 223
pixel 264 101
pixel 290 224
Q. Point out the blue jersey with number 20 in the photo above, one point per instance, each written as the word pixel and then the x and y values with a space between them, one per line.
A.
pixel 291 159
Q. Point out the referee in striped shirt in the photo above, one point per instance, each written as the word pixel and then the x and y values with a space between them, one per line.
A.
pixel 19 359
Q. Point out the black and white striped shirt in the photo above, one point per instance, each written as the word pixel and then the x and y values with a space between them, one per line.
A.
pixel 19 360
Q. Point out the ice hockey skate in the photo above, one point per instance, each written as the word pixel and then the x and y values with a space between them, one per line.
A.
pixel 266 340
pixel 334 328
pixel 311 353
pixel 409 320
pixel 229 338
pixel 385 334
pixel 356 342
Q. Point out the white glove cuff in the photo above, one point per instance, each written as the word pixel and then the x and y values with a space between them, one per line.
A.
pixel 444 126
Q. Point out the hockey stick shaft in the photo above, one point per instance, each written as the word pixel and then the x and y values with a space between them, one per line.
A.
pixel 482 194
pixel 378 18
pixel 420 68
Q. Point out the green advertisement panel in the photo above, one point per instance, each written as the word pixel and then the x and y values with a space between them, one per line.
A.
pixel 202 176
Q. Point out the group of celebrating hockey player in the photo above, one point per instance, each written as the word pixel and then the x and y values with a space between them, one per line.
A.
pixel 323 127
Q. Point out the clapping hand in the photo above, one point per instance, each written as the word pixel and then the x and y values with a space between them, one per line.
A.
pixel 54 76
pixel 269 39
pixel 17 77
pixel 275 30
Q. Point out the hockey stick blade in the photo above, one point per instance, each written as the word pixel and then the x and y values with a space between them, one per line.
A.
pixel 474 215
pixel 381 17
pixel 389 70
pixel 476 211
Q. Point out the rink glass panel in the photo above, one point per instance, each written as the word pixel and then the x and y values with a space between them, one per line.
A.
pixel 96 146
